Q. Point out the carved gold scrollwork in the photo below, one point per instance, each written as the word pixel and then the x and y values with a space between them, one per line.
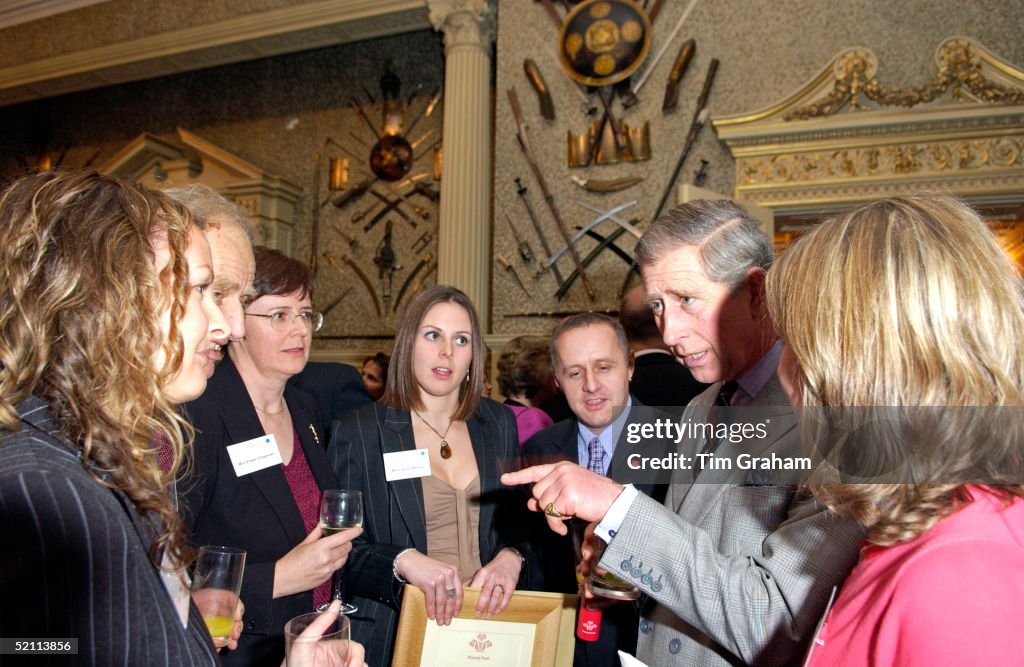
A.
pixel 959 74
pixel 916 158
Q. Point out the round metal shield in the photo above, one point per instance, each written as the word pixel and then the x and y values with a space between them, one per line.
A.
pixel 604 41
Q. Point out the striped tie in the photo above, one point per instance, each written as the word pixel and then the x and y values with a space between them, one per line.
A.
pixel 595 453
pixel 724 400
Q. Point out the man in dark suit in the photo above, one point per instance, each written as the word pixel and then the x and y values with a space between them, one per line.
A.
pixel 658 378
pixel 337 388
pixel 592 366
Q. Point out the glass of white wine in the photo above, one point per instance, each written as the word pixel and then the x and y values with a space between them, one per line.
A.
pixel 216 583
pixel 340 509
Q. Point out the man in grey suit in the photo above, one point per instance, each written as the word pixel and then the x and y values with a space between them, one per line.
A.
pixel 745 559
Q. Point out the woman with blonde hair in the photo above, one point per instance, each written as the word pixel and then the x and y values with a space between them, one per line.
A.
pixel 450 523
pixel 903 324
pixel 105 326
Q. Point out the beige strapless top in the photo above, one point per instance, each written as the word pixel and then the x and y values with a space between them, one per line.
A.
pixel 453 524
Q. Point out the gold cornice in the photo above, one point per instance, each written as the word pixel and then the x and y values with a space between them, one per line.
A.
pixel 963 133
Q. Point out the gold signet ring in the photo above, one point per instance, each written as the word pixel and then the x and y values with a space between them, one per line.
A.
pixel 552 511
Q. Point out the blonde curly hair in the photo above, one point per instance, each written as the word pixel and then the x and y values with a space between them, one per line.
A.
pixel 80 313
pixel 906 321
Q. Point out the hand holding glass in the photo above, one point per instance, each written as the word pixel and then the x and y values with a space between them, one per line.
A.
pixel 317 640
pixel 216 583
pixel 601 583
pixel 340 509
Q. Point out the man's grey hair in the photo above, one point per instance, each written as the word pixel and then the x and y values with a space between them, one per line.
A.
pixel 581 320
pixel 204 202
pixel 729 240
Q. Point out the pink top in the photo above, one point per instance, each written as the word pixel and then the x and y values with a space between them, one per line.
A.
pixel 307 494
pixel 528 420
pixel 952 596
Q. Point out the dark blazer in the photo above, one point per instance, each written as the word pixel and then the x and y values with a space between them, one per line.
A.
pixel 660 380
pixel 393 511
pixel 337 388
pixel 74 560
pixel 555 555
pixel 255 512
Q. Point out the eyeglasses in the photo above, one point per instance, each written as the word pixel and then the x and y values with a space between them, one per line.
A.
pixel 283 320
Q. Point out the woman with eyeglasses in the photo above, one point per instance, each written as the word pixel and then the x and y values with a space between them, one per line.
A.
pixel 260 466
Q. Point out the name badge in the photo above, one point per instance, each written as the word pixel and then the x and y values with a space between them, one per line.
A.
pixel 253 455
pixel 406 465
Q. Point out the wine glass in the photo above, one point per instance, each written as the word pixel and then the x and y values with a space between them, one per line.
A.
pixel 340 509
pixel 307 641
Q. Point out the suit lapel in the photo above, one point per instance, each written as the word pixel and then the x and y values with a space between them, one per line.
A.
pixel 487 464
pixel 397 436
pixel 242 423
pixel 769 406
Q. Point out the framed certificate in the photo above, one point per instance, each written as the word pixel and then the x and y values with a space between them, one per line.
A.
pixel 534 630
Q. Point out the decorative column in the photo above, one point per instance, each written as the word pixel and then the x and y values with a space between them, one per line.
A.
pixel 464 226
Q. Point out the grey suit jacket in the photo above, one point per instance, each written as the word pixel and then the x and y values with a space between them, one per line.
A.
pixel 74 560
pixel 742 569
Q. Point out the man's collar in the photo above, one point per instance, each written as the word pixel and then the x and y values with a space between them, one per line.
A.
pixel 755 379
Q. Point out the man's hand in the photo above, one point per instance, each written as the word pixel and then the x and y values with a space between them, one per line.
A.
pixel 568 490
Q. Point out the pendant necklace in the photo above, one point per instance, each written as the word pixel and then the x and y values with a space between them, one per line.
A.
pixel 446 450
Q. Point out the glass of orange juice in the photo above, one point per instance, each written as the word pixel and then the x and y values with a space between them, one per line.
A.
pixel 216 583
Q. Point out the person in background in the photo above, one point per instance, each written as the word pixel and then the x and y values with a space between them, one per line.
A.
pixel 270 509
pixel 106 321
pixel 375 374
pixel 453 524
pixel 526 380
pixel 337 389
pixel 658 378
pixel 909 305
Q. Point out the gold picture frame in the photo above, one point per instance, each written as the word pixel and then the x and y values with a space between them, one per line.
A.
pixel 551 615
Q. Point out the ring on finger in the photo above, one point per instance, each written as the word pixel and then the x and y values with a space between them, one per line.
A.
pixel 450 593
pixel 501 587
pixel 552 511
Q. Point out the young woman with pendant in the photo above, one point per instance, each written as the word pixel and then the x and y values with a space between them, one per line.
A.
pixel 428 459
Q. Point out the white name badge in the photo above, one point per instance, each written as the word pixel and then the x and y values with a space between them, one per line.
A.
pixel 406 465
pixel 255 454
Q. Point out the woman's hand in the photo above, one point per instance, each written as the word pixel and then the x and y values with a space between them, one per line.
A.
pixel 312 561
pixel 210 600
pixel 438 581
pixel 497 581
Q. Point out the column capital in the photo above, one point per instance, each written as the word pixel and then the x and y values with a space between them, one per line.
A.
pixel 464 22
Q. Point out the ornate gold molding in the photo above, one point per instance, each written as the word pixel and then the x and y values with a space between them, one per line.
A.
pixel 960 73
pixel 962 132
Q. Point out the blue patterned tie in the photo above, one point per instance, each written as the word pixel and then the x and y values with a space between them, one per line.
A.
pixel 595 452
